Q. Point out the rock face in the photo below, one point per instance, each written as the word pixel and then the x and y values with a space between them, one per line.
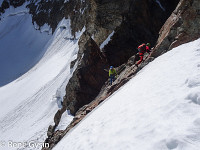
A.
pixel 125 71
pixel 181 27
pixel 51 12
pixel 140 22
pixel 6 4
pixel 88 78
pixel 133 22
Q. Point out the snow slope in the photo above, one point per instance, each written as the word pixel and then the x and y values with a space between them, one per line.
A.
pixel 21 45
pixel 29 103
pixel 159 109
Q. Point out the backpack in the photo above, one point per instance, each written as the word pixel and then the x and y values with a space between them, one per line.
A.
pixel 142 48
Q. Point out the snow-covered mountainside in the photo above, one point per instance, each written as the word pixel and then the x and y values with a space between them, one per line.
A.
pixel 54 57
pixel 21 45
pixel 29 101
pixel 156 110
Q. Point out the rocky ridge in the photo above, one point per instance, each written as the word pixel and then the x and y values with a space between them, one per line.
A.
pixel 133 22
pixel 189 27
pixel 125 72
pixel 51 12
pixel 103 18
pixel 181 27
pixel 81 90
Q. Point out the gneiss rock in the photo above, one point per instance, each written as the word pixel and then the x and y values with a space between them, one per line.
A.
pixel 57 117
pixel 50 131
pixel 52 12
pixel 181 27
pixel 141 22
pixel 87 80
pixel 133 23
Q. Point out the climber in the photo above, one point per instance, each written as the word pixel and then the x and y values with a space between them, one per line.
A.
pixel 142 50
pixel 112 74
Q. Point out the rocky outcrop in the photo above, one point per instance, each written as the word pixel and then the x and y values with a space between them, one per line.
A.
pixel 88 78
pixel 140 22
pixel 86 83
pixel 181 27
pixel 4 6
pixel 51 12
pixel 125 72
pixel 133 22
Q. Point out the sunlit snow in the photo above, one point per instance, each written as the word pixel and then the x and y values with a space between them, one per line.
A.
pixel 159 109
pixel 36 66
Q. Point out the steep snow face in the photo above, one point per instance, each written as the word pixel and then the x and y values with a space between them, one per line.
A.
pixel 156 110
pixel 29 103
pixel 21 45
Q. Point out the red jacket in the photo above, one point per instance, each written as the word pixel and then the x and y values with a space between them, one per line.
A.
pixel 143 49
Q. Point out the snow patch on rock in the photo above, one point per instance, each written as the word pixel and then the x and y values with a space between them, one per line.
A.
pixel 107 40
pixel 157 1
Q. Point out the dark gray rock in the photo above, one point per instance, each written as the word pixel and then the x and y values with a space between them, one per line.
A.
pixel 181 27
pixel 51 12
pixel 141 22
pixel 87 80
pixel 50 131
pixel 133 22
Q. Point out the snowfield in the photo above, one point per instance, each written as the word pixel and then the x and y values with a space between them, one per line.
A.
pixel 37 65
pixel 159 109
pixel 21 45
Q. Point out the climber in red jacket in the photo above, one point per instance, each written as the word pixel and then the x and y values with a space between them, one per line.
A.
pixel 142 50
